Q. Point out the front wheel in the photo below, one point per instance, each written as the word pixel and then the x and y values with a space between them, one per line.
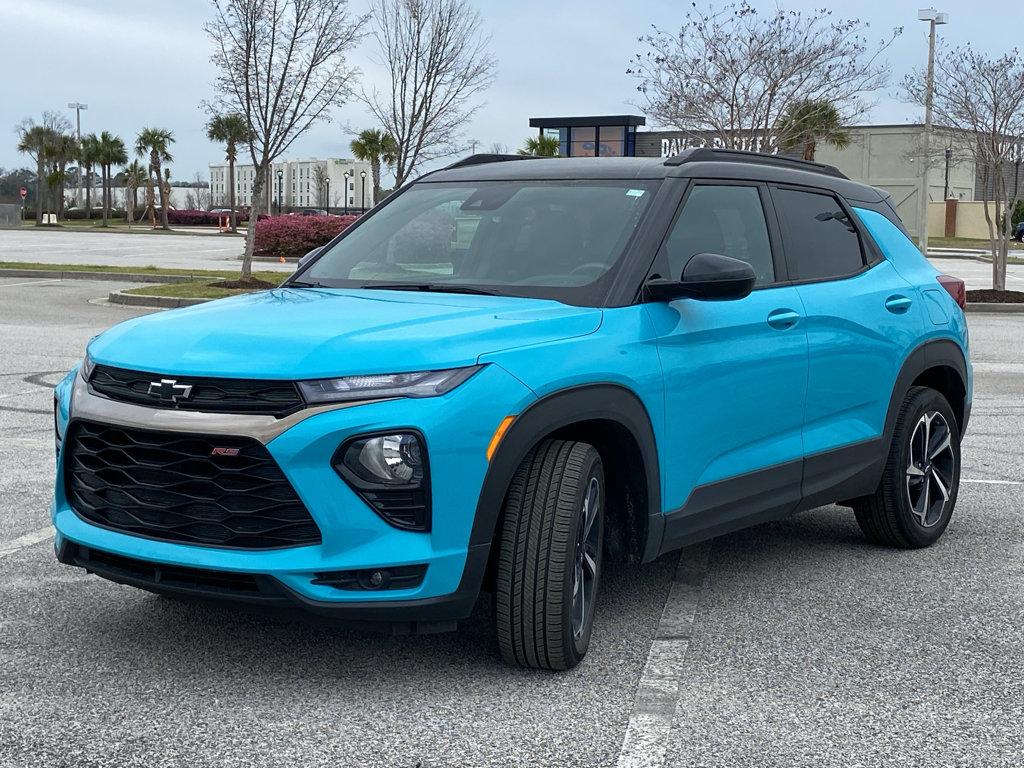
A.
pixel 549 562
pixel 915 498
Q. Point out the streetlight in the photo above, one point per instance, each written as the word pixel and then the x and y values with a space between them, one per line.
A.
pixel 348 175
pixel 362 175
pixel 77 107
pixel 328 196
pixel 934 18
pixel 280 190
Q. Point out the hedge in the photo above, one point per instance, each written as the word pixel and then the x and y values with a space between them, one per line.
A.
pixel 294 236
pixel 192 218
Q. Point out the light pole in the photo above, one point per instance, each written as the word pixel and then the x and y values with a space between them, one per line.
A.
pixel 328 196
pixel 280 190
pixel 78 107
pixel 348 175
pixel 934 18
pixel 948 154
pixel 362 175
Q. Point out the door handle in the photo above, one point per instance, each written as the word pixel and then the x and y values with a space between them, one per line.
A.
pixel 898 304
pixel 783 319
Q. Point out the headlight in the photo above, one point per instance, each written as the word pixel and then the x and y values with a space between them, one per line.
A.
pixel 87 367
pixel 390 472
pixel 417 384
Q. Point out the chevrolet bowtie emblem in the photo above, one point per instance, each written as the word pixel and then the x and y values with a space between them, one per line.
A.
pixel 169 390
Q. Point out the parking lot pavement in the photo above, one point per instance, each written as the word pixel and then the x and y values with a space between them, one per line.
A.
pixel 190 252
pixel 978 274
pixel 807 645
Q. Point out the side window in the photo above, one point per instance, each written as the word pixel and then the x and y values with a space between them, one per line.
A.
pixel 820 240
pixel 724 219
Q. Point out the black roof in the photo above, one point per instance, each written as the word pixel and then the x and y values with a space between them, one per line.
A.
pixel 583 121
pixel 702 163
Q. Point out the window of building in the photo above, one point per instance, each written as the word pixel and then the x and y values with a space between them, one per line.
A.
pixel 820 240
pixel 722 219
pixel 584 140
pixel 611 141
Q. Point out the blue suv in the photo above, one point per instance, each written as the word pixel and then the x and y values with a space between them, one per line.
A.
pixel 513 372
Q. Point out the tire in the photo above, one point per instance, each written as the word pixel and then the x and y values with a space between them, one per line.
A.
pixel 904 511
pixel 541 570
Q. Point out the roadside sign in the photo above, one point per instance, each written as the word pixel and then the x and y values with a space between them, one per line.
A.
pixel 24 192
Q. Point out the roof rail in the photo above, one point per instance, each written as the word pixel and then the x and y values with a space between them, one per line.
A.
pixel 486 157
pixel 716 155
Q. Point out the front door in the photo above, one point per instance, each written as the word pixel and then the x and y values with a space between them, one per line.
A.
pixel 735 372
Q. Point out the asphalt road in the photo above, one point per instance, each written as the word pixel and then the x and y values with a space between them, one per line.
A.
pixel 977 274
pixel 127 250
pixel 806 645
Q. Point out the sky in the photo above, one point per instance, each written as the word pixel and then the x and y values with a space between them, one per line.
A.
pixel 142 63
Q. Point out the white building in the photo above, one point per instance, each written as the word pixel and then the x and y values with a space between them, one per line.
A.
pixel 340 183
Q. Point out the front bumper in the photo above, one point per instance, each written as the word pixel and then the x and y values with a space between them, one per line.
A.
pixel 457 428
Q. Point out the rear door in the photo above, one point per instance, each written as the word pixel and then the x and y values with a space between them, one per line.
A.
pixel 860 318
pixel 735 371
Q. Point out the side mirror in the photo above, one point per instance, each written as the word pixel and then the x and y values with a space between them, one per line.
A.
pixel 308 256
pixel 705 276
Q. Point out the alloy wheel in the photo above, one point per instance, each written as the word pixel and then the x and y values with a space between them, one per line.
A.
pixel 930 468
pixel 585 571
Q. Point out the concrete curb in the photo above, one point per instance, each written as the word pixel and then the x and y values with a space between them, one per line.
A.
pixel 157 302
pixel 123 277
pixel 998 307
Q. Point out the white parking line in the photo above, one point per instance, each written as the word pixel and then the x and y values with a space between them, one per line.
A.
pixel 661 682
pixel 26 540
pixel 990 480
pixel 29 283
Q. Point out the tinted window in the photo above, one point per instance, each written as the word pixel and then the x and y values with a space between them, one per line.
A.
pixel 561 240
pixel 820 239
pixel 727 220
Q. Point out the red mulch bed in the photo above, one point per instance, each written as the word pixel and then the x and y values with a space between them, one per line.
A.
pixel 250 283
pixel 993 296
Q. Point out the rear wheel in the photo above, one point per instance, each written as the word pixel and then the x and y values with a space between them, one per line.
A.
pixel 915 498
pixel 549 563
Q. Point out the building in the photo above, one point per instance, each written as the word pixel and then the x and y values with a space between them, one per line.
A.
pixel 593 136
pixel 885 156
pixel 329 183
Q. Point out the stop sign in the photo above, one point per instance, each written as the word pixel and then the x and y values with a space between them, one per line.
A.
pixel 24 192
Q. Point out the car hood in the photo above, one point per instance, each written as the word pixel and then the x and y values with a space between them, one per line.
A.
pixel 293 333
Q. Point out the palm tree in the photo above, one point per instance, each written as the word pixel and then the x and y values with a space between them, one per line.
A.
pixel 233 131
pixel 61 149
pixel 540 147
pixel 88 157
pixel 156 143
pixel 374 147
pixel 111 152
pixel 811 121
pixel 33 140
pixel 134 178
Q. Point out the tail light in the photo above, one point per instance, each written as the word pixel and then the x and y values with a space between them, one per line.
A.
pixel 956 288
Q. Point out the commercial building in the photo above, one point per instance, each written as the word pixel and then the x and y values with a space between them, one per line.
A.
pixel 885 156
pixel 328 183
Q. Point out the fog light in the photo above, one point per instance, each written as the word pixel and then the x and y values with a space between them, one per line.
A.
pixel 389 578
pixel 391 473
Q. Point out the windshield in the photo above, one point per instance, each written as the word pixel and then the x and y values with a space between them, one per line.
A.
pixel 557 240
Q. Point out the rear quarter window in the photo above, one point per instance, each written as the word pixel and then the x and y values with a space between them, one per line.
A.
pixel 820 240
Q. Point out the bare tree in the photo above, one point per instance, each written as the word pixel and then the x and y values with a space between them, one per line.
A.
pixel 981 97
pixel 500 148
pixel 729 76
pixel 320 184
pixel 437 58
pixel 201 192
pixel 281 65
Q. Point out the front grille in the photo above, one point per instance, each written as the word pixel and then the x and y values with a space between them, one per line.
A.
pixel 159 576
pixel 196 489
pixel 227 396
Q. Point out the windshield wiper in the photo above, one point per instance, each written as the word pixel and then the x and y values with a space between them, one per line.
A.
pixel 305 284
pixel 446 288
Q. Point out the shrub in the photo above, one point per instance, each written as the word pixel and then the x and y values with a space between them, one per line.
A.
pixel 192 218
pixel 294 236
pixel 72 214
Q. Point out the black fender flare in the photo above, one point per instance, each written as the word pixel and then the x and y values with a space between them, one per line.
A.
pixel 606 401
pixel 930 354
